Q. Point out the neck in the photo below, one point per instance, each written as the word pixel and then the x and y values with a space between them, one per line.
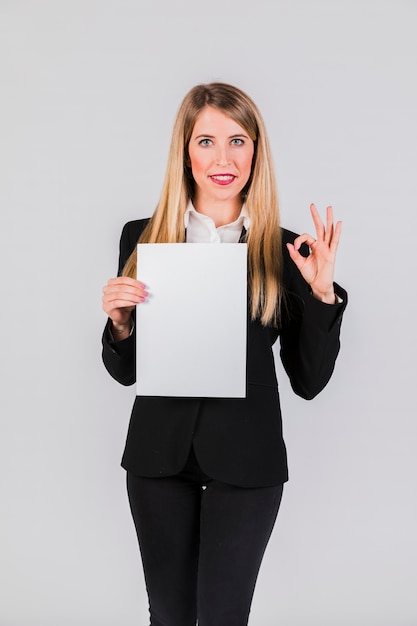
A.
pixel 220 212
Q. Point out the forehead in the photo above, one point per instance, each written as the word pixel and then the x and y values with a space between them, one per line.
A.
pixel 211 121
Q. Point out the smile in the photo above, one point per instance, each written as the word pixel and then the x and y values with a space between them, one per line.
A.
pixel 223 179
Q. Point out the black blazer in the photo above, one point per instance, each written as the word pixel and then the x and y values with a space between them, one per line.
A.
pixel 236 440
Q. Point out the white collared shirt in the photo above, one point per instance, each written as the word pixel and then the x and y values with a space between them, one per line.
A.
pixel 202 229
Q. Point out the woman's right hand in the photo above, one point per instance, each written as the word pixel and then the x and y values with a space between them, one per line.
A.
pixel 120 296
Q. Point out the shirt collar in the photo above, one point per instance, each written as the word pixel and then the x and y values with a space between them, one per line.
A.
pixel 243 218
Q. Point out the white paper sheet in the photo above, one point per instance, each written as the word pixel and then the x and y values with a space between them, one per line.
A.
pixel 191 332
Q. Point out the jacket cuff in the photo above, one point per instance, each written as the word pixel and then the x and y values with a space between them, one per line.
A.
pixel 326 315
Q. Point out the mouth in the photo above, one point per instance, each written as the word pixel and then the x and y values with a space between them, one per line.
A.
pixel 223 179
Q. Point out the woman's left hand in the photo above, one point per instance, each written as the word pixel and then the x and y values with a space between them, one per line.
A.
pixel 318 268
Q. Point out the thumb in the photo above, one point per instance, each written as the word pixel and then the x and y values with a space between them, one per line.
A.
pixel 295 255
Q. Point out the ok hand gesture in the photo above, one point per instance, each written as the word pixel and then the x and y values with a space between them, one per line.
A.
pixel 318 268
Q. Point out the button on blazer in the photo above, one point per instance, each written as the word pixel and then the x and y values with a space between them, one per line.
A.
pixel 236 440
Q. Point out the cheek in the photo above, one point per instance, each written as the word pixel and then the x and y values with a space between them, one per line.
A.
pixel 247 164
pixel 198 164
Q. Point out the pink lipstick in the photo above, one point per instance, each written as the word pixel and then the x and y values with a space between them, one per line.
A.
pixel 222 179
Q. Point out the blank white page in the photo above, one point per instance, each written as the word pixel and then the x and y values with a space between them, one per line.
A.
pixel 191 331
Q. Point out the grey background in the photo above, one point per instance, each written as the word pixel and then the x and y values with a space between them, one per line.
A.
pixel 89 92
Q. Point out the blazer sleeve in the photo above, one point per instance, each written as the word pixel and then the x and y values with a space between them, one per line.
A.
pixel 119 356
pixel 310 332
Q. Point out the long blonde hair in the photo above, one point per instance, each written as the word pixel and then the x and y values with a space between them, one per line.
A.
pixel 259 195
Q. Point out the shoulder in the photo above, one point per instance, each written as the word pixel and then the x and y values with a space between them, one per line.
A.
pixel 133 229
pixel 288 236
pixel 129 238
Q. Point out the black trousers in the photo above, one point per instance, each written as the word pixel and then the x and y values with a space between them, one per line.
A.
pixel 202 543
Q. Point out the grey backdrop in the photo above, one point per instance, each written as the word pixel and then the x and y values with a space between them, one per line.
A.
pixel 89 91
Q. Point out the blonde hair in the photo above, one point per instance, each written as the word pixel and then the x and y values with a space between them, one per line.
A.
pixel 260 195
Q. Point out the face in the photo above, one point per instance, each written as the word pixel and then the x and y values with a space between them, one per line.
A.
pixel 221 154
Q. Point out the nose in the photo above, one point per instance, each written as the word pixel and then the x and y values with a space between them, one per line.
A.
pixel 222 156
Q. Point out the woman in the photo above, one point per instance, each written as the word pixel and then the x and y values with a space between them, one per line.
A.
pixel 205 475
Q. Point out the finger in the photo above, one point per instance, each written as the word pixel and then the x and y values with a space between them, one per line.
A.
pixel 336 237
pixel 298 258
pixel 329 225
pixel 131 295
pixel 294 254
pixel 115 290
pixel 131 298
pixel 118 305
pixel 304 238
pixel 318 224
pixel 121 301
pixel 126 280
pixel 126 285
pixel 118 309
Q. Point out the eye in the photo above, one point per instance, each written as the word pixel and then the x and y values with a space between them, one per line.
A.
pixel 205 142
pixel 236 141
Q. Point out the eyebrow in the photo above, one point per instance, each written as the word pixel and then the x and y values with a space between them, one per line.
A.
pixel 213 137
